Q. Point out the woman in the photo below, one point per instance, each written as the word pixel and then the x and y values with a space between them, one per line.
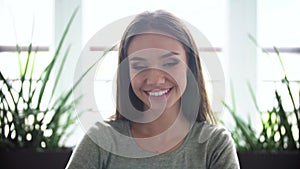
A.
pixel 163 117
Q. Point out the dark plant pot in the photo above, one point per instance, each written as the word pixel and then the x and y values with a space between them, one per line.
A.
pixel 30 159
pixel 266 160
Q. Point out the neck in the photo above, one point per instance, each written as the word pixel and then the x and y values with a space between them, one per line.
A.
pixel 162 135
pixel 171 117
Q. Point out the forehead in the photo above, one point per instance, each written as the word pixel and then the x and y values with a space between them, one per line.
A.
pixel 155 41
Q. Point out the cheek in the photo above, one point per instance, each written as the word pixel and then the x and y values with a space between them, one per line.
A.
pixel 136 81
pixel 179 76
pixel 181 80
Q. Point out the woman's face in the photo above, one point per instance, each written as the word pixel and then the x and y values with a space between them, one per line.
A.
pixel 158 69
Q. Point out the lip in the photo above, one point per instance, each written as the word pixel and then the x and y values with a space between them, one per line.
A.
pixel 158 94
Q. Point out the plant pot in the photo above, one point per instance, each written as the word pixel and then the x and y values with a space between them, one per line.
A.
pixel 269 160
pixel 30 159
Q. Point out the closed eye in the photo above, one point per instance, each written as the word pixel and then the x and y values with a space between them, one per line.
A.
pixel 138 66
pixel 171 63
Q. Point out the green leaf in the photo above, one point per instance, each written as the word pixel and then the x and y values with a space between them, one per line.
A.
pixel 232 97
pixel 51 65
pixel 59 72
pixel 242 125
pixel 1 77
pixel 284 121
pixel 253 96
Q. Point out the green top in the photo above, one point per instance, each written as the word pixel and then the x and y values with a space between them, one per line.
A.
pixel 205 146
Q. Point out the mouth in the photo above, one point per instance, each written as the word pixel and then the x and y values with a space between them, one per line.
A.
pixel 158 92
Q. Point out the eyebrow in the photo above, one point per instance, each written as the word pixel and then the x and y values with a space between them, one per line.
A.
pixel 169 54
pixel 137 58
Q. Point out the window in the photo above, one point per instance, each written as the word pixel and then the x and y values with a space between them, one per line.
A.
pixel 277 26
pixel 23 22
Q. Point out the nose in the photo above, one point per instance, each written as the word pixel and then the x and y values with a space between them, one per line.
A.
pixel 155 77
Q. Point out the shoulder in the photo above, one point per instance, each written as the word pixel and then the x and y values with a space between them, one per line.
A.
pixel 216 138
pixel 106 127
pixel 219 145
pixel 105 132
pixel 208 132
pixel 94 149
pixel 112 136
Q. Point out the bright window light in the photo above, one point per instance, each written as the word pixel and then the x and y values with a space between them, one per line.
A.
pixel 19 18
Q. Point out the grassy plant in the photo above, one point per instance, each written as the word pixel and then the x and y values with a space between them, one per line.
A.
pixel 277 127
pixel 24 122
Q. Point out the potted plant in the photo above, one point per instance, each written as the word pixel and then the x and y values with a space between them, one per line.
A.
pixel 33 135
pixel 277 144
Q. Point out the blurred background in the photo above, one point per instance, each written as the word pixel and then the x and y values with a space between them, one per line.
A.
pixel 227 24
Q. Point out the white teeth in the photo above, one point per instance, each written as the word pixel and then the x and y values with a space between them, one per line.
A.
pixel 158 93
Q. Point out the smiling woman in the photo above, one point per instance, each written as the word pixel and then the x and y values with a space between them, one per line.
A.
pixel 163 117
pixel 165 61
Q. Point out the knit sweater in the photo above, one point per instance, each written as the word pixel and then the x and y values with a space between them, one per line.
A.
pixel 110 146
